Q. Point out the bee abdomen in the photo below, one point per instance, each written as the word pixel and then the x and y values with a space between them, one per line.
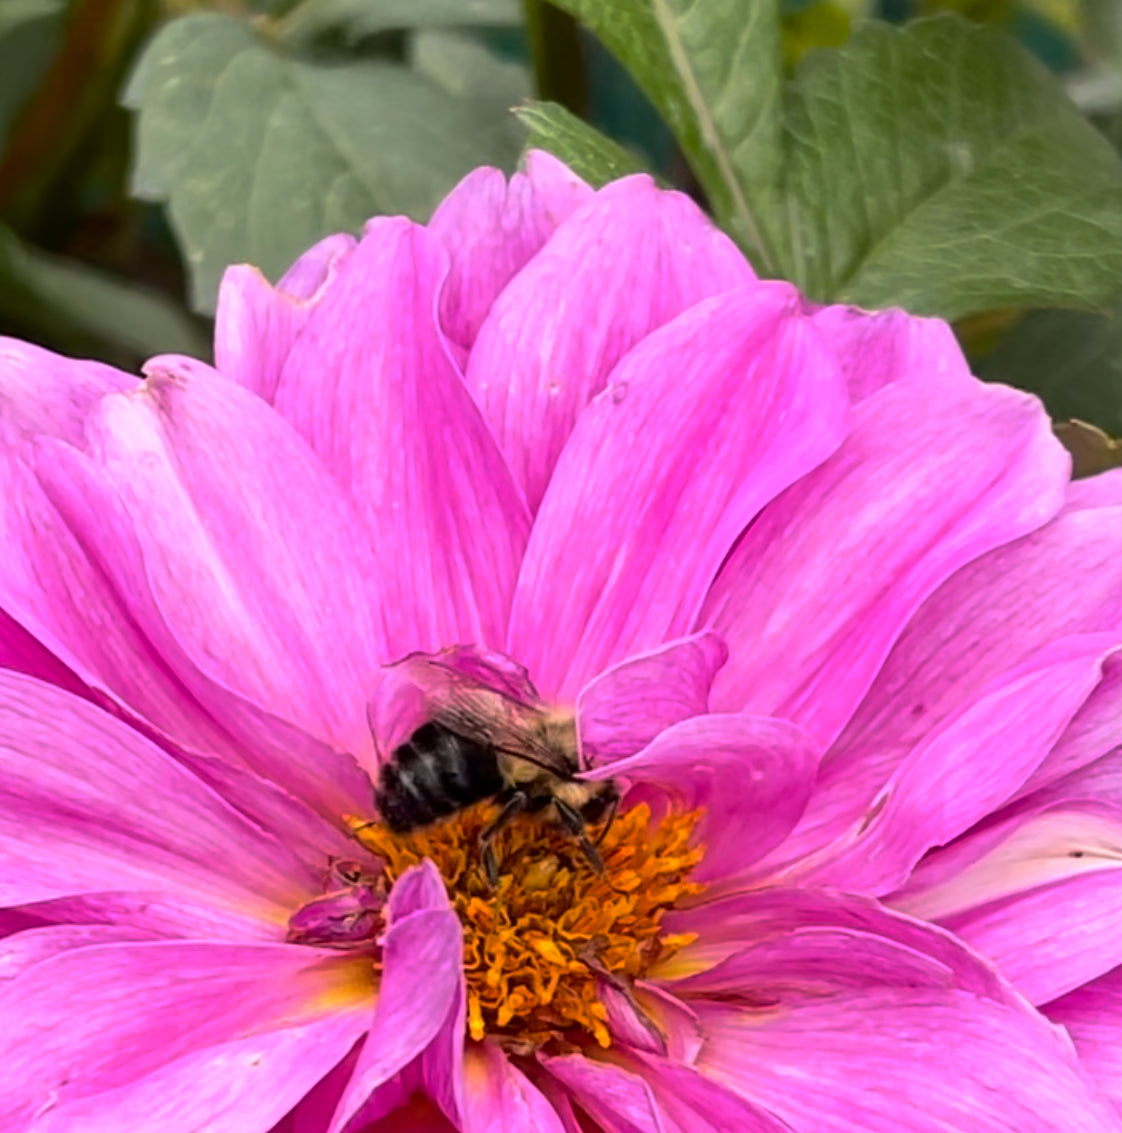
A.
pixel 432 775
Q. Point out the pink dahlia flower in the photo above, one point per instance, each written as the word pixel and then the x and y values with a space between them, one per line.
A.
pixel 826 607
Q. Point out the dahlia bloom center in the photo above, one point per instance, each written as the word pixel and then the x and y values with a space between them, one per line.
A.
pixel 540 949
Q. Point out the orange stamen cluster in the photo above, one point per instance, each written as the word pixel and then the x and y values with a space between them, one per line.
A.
pixel 537 948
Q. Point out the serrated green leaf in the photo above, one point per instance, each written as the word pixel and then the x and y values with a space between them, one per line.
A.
pixel 713 71
pixel 71 306
pixel 939 168
pixel 258 155
pixel 1072 359
pixel 367 17
pixel 590 154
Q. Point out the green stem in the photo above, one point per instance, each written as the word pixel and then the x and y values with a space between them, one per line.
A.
pixel 558 56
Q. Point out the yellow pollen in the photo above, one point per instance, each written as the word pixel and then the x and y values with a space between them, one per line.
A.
pixel 537 948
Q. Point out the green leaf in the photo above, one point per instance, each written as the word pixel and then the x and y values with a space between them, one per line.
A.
pixel 74 307
pixel 582 147
pixel 939 168
pixel 467 70
pixel 712 68
pixel 1072 359
pixel 258 155
pixel 366 17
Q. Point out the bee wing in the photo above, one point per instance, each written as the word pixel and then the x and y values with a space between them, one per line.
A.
pixel 490 718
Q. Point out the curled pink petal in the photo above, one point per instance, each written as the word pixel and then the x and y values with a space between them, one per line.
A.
pixel 730 766
pixel 1104 490
pixel 626 707
pixel 422 985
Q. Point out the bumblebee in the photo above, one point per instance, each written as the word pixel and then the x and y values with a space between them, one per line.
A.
pixel 480 744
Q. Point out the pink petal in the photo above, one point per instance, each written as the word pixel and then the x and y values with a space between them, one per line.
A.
pixel 312 273
pixel 256 324
pixel 676 1020
pixel 626 707
pixel 876 348
pixel 693 1103
pixel 628 261
pixel 22 950
pixel 780 944
pixel 986 619
pixel 1036 892
pixel 650 1018
pixel 1093 1017
pixel 371 386
pixel 174 1035
pixel 1052 939
pixel 422 986
pixel 704 422
pixel 491 229
pixel 968 766
pixel 49 394
pixel 20 651
pixel 903 1060
pixel 59 596
pixel 501 1099
pixel 1022 847
pixel 751 775
pixel 260 570
pixel 1104 490
pixel 311 824
pixel 814 595
pixel 620 1101
pixel 1094 731
pixel 77 815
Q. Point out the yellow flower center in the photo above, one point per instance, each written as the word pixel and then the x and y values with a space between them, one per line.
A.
pixel 539 948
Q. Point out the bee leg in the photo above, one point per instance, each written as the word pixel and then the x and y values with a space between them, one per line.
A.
pixel 572 821
pixel 514 805
pixel 612 811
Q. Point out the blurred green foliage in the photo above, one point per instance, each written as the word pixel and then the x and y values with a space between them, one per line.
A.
pixel 145 145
